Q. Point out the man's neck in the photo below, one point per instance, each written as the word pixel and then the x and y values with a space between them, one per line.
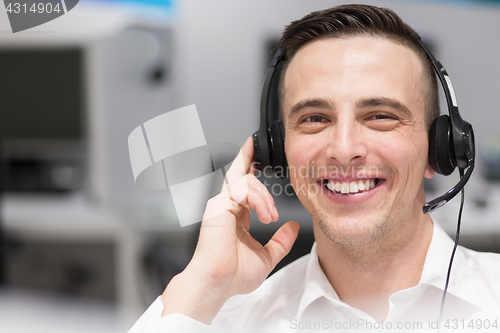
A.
pixel 366 276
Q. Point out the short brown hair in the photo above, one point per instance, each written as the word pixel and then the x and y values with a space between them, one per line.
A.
pixel 355 19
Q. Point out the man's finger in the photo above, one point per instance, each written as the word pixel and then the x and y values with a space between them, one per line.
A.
pixel 281 242
pixel 241 164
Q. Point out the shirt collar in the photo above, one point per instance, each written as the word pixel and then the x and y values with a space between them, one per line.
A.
pixel 316 285
pixel 434 274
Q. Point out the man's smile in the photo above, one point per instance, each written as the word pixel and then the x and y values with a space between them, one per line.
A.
pixel 352 186
pixel 350 190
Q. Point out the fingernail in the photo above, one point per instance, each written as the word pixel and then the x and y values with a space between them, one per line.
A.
pixel 275 212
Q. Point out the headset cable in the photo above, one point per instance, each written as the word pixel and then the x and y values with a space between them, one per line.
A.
pixel 461 171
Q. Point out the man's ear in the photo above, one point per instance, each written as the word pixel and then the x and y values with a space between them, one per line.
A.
pixel 429 171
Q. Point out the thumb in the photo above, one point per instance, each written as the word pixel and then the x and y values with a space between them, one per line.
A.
pixel 281 242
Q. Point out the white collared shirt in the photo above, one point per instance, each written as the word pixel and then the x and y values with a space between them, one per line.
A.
pixel 299 298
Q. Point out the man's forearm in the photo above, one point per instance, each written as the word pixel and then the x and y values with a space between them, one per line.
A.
pixel 189 295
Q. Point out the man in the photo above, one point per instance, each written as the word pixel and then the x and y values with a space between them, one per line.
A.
pixel 358 96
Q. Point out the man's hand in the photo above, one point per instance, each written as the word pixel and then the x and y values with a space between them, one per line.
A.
pixel 228 260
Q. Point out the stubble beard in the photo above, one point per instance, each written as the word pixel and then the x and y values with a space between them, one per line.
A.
pixel 352 227
pixel 364 239
pixel 360 231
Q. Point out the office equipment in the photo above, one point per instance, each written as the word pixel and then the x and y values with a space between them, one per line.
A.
pixel 75 91
pixel 42 118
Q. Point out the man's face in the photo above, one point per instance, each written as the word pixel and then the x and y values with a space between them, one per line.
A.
pixel 354 122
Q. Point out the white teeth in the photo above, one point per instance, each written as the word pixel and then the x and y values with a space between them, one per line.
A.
pixel 329 186
pixel 350 187
pixel 361 185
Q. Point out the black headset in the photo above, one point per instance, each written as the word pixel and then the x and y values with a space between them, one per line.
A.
pixel 451 139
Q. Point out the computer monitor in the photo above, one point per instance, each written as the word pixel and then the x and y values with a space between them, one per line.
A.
pixel 42 123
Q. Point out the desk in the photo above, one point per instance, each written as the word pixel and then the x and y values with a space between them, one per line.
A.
pixel 71 218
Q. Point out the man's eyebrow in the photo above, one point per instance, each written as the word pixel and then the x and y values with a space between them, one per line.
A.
pixel 310 103
pixel 384 101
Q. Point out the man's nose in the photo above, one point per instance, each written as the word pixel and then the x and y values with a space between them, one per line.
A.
pixel 347 143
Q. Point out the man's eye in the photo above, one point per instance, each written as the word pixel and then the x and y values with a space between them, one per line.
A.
pixel 382 121
pixel 315 119
pixel 382 117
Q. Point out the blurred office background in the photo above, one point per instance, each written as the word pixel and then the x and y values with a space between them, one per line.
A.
pixel 83 249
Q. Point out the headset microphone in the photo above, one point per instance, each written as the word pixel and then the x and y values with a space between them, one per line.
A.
pixel 442 200
pixel 451 145
pixel 451 140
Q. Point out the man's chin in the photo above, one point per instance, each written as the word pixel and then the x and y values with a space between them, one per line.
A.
pixel 351 231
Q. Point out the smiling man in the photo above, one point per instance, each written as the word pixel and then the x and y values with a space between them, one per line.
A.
pixel 358 102
pixel 358 97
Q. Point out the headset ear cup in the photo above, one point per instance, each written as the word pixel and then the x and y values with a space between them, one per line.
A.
pixel 277 134
pixel 440 150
